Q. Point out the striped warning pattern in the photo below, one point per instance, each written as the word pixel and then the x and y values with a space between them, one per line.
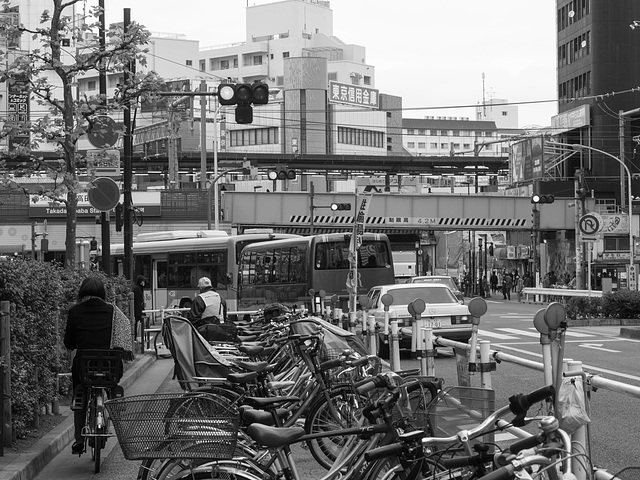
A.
pixel 342 220
pixel 445 222
pixel 483 222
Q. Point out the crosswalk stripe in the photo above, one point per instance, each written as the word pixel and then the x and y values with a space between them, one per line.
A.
pixel 569 333
pixel 499 336
pixel 520 332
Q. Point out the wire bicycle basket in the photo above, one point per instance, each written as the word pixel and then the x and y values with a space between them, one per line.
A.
pixel 189 426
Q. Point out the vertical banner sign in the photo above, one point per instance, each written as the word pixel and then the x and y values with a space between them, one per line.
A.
pixel 353 280
pixel 18 113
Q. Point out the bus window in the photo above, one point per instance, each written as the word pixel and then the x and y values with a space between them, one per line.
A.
pixel 213 264
pixel 298 268
pixel 283 265
pixel 161 267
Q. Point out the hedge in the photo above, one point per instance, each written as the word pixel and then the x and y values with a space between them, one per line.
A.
pixel 39 293
pixel 620 304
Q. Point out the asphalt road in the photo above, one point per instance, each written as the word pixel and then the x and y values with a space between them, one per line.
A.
pixel 509 328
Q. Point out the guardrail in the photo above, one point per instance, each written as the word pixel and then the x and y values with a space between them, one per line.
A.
pixel 548 295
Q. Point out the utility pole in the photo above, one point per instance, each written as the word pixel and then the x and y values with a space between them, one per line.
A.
pixel 579 244
pixel 128 168
pixel 621 115
pixel 105 228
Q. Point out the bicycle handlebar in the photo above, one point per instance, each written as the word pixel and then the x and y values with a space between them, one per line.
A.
pixel 385 451
pixel 506 472
pixel 519 404
pixel 521 401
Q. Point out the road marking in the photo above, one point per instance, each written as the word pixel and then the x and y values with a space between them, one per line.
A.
pixel 515 331
pixel 499 336
pixel 585 367
pixel 598 346
pixel 577 334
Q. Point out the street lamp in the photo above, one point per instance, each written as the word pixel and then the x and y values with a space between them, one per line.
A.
pixel 579 147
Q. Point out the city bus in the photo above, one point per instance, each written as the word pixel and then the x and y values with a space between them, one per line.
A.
pixel 173 261
pixel 285 271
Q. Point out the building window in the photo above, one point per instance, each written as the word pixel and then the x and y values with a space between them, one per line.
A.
pixel 224 65
pixel 422 145
pixel 257 60
pixel 367 80
pixel 203 65
pixel 285 54
pixel 255 136
pixel 91 85
pixel 235 63
pixel 189 63
pixel 504 114
pixel 421 131
pixel 444 146
pixel 411 145
pixel 433 145
pixel 410 131
pixel 212 64
pixel 66 42
pixel 388 114
pixel 466 146
pixel 333 76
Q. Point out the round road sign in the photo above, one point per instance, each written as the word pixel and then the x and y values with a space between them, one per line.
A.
pixel 104 195
pixel 103 133
pixel 591 223
pixel 554 315
pixel 477 307
pixel 539 323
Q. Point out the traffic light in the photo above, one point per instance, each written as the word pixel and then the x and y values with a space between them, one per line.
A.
pixel 281 173
pixel 119 219
pixel 582 193
pixel 340 206
pixel 542 199
pixel 243 95
pixel 93 245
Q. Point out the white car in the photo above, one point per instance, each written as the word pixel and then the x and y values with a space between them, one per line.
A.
pixel 444 313
pixel 444 279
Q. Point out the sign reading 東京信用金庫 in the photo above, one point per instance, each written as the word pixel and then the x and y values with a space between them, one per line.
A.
pixel 353 94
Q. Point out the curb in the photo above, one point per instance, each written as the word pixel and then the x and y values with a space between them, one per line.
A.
pixel 630 332
pixel 27 465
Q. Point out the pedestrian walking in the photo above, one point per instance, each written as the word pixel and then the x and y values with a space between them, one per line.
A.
pixel 506 286
pixel 519 288
pixel 138 303
pixel 493 281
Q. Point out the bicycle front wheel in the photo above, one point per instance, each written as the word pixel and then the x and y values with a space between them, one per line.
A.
pixel 345 411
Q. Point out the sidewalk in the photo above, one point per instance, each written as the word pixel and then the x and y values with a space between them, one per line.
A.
pixel 25 466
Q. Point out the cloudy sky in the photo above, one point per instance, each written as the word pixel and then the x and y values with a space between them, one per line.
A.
pixel 433 53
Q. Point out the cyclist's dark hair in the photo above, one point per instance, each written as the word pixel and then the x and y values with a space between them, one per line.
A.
pixel 92 287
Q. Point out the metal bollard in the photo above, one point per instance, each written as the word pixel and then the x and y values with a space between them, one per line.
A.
pixel 485 364
pixel 429 353
pixel 580 437
pixel 394 346
pixel 545 343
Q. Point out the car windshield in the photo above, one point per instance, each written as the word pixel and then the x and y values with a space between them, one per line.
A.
pixel 404 296
pixel 444 281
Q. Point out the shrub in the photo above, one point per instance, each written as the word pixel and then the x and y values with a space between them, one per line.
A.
pixel 619 304
pixel 40 295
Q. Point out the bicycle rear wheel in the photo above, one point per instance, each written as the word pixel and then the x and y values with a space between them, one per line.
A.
pixel 233 470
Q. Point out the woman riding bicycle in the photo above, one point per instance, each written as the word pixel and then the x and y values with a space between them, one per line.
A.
pixel 94 324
